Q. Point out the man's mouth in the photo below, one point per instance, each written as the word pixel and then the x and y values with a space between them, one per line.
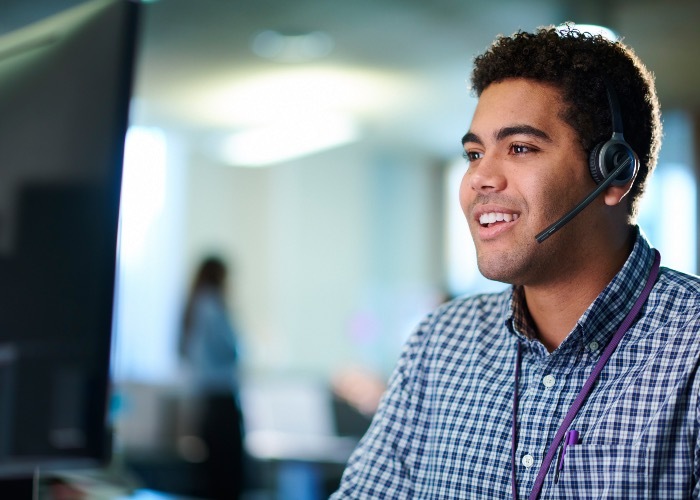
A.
pixel 490 219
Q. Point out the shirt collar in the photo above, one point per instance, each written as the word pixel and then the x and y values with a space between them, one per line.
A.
pixel 607 311
pixel 599 322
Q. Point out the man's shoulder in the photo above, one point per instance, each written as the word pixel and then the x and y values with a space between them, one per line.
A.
pixel 468 314
pixel 676 295
pixel 676 285
pixel 459 331
pixel 683 279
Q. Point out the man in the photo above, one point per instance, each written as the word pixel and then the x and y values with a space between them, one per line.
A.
pixel 486 399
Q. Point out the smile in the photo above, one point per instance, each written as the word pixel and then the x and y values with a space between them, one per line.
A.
pixel 488 218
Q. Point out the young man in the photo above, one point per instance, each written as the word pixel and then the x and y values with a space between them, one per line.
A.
pixel 487 399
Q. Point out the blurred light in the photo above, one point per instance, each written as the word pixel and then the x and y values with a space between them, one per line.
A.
pixel 148 288
pixel 667 215
pixel 593 29
pixel 143 188
pixel 287 140
pixel 292 48
pixel 266 98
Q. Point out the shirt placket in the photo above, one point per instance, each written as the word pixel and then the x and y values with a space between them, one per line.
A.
pixel 546 389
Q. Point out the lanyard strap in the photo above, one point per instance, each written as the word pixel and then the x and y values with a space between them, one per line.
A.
pixel 514 440
pixel 585 390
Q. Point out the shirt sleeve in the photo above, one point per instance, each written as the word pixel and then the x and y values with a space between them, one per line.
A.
pixel 381 465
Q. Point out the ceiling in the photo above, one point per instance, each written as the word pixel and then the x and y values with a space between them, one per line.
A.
pixel 398 68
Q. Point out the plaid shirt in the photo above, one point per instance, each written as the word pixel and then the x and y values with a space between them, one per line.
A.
pixel 443 429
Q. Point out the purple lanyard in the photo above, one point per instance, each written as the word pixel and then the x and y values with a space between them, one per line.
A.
pixel 581 397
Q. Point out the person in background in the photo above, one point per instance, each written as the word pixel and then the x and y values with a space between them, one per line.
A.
pixel 208 345
pixel 582 379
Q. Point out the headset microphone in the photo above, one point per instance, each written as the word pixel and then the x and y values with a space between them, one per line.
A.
pixel 612 162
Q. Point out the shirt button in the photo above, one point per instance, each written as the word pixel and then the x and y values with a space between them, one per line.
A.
pixel 549 381
pixel 528 461
pixel 593 346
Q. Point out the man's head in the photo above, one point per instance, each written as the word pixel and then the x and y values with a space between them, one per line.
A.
pixel 543 106
pixel 578 65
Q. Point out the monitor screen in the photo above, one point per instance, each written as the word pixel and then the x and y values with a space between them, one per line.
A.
pixel 65 86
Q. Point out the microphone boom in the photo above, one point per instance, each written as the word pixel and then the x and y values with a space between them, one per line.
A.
pixel 586 201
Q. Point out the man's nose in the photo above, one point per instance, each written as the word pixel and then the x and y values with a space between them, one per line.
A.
pixel 486 175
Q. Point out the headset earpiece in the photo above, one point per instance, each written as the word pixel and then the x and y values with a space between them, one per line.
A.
pixel 607 156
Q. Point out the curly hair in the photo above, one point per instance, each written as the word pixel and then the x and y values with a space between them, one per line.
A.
pixel 579 64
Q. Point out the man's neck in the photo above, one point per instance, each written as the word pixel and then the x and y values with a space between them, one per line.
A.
pixel 556 306
pixel 555 310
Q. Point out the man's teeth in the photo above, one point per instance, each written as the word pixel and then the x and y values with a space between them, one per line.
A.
pixel 492 217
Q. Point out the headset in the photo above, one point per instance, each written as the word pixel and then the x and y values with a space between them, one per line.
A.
pixel 612 162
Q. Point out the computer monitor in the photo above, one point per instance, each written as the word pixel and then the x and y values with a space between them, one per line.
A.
pixel 65 86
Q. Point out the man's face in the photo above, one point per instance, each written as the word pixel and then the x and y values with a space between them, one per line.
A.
pixel 526 169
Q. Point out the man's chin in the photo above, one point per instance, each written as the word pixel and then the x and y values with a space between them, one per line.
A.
pixel 503 270
pixel 493 275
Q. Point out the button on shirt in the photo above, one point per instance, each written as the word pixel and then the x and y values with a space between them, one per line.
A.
pixel 443 429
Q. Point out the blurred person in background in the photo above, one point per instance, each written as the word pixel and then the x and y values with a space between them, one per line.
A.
pixel 208 346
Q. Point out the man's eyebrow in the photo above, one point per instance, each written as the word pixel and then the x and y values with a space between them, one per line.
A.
pixel 522 130
pixel 507 132
pixel 471 137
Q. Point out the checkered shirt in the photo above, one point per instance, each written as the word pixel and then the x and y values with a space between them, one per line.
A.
pixel 443 429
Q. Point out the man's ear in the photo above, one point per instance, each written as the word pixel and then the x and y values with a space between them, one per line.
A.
pixel 613 195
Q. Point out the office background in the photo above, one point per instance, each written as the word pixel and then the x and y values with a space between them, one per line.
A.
pixel 341 223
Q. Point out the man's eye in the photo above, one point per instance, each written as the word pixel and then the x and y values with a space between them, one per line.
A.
pixel 472 155
pixel 519 149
